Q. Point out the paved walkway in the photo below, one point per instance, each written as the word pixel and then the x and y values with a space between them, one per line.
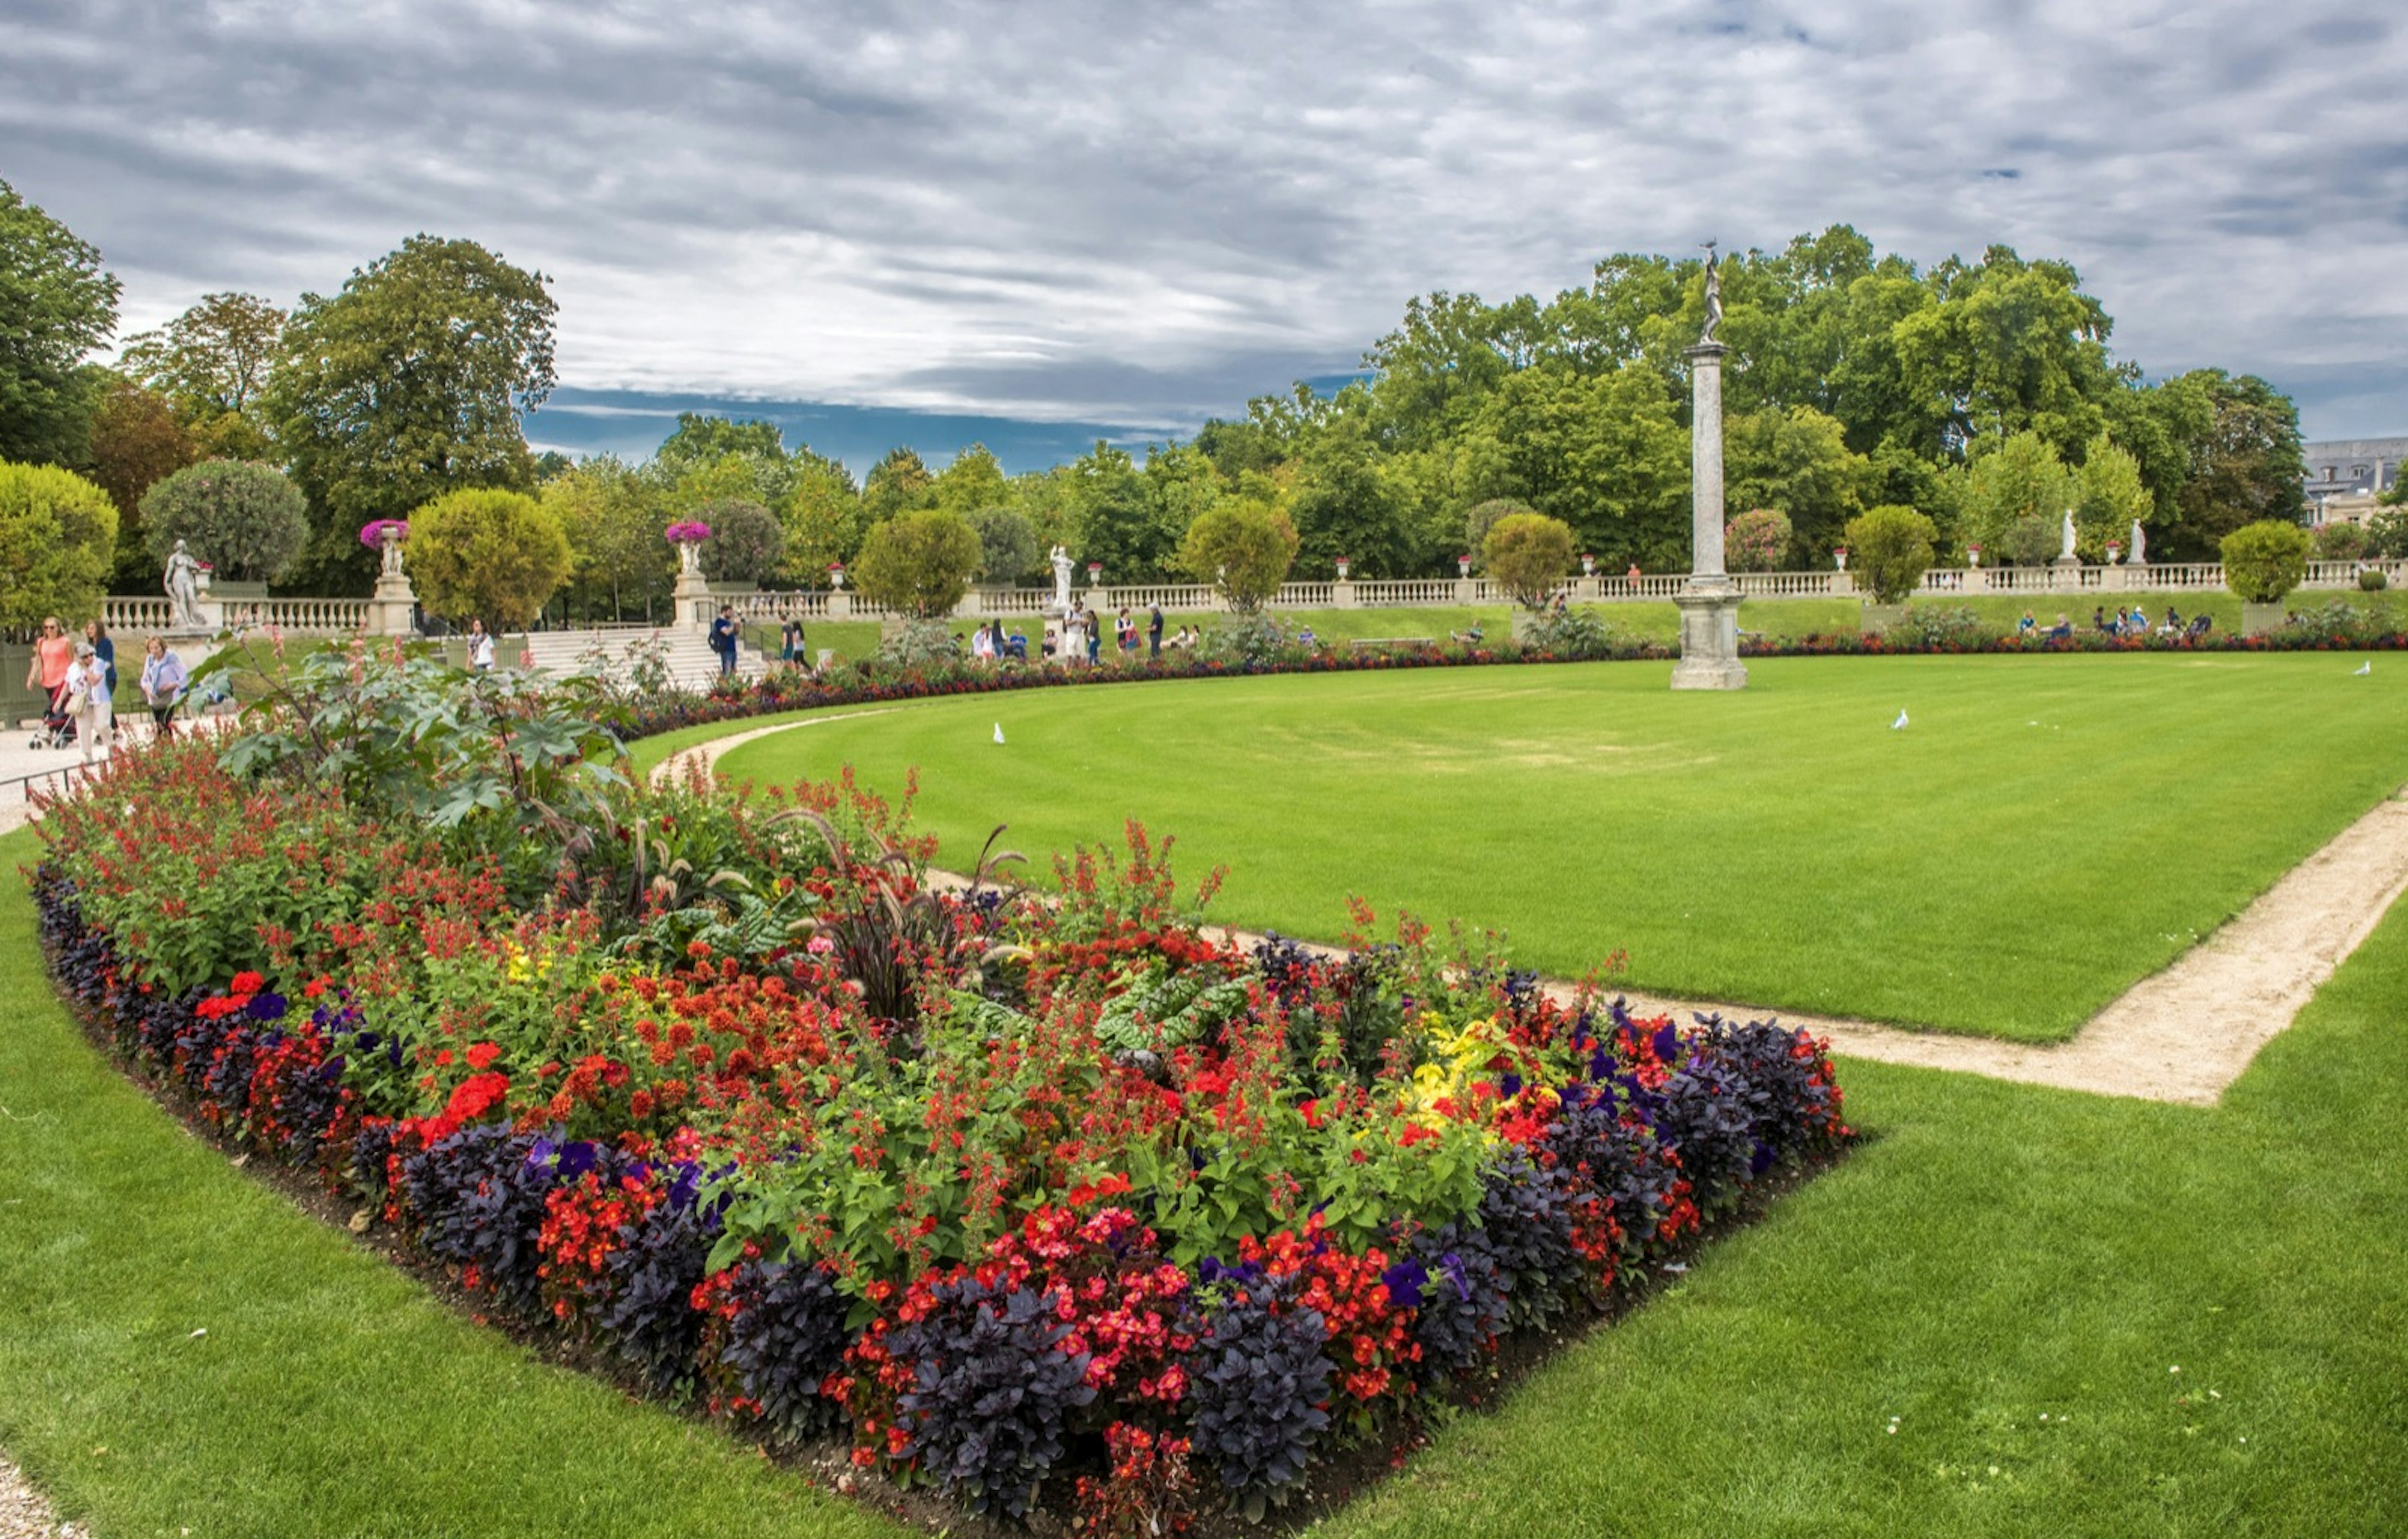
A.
pixel 2182 1034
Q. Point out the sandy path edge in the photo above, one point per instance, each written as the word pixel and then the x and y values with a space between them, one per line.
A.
pixel 2180 1034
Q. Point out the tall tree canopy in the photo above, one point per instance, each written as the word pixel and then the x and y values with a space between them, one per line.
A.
pixel 409 383
pixel 212 364
pixel 56 306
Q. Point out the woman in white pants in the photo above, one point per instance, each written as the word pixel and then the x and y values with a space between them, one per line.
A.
pixel 87 701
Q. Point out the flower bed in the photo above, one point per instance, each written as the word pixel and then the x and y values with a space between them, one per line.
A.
pixel 1037 1201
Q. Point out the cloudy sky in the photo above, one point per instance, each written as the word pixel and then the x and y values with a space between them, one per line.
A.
pixel 1140 214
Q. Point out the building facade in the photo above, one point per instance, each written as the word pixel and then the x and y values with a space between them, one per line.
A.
pixel 2345 475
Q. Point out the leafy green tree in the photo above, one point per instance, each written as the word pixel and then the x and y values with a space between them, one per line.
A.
pixel 244 518
pixel 1606 453
pixel 135 442
pixel 56 306
pixel 2240 440
pixel 2019 478
pixel 1345 503
pixel 920 562
pixel 975 480
pixel 1181 485
pixel 1007 549
pixel 1889 549
pixel 616 520
pixel 407 384
pixel 58 538
pixel 1797 459
pixel 213 364
pixel 823 518
pixel 1116 518
pixel 2011 346
pixel 1482 517
pixel 747 542
pixel 1245 547
pixel 2264 560
pixel 2341 541
pixel 710 457
pixel 2111 495
pixel 1527 555
pixel 2387 531
pixel 2032 540
pixel 484 552
pixel 898 483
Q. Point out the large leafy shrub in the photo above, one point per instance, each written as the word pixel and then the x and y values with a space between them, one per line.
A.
pixel 2263 561
pixel 58 539
pixel 1889 549
pixel 486 554
pixel 1757 541
pixel 247 520
pixel 1527 555
pixel 919 562
pixel 1007 546
pixel 2340 540
pixel 747 542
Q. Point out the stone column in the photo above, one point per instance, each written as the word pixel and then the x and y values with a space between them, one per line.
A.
pixel 393 609
pixel 691 598
pixel 1710 603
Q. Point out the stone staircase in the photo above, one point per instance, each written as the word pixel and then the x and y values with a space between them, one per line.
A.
pixel 692 664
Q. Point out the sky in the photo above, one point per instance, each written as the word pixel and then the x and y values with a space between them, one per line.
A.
pixel 1042 223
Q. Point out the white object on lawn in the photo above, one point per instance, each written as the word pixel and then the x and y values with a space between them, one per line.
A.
pixel 2365 667
pixel 998 732
pixel 1900 725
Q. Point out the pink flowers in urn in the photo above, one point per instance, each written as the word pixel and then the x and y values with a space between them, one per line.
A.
pixel 691 532
pixel 372 533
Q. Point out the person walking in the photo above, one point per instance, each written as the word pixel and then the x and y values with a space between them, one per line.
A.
pixel 103 649
pixel 1154 631
pixel 480 647
pixel 163 686
pixel 87 702
pixel 53 655
pixel 790 642
pixel 723 639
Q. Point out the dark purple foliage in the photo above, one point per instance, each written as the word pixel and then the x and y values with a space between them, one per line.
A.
pixel 787 1335
pixel 1258 1392
pixel 477 1200
pixel 653 1274
pixel 992 1391
pixel 1526 1219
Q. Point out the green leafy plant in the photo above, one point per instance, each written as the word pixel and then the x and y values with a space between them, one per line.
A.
pixel 498 555
pixel 1528 555
pixel 1757 541
pixel 2340 541
pixel 747 542
pixel 1244 547
pixel 919 562
pixel 245 520
pixel 58 538
pixel 2263 561
pixel 1889 549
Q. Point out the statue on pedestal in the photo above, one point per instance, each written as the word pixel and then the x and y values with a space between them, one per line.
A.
pixel 183 586
pixel 2067 554
pixel 1713 296
pixel 1061 560
pixel 2140 547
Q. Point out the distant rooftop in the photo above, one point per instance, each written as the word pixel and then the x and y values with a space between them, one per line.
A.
pixel 2343 467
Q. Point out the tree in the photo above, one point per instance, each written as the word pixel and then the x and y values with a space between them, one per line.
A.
pixel 1797 460
pixel 1758 540
pixel 1116 518
pixel 1606 453
pixel 747 541
pixel 2019 478
pixel 898 483
pixel 1482 517
pixel 408 384
pixel 975 480
pixel 2264 560
pixel 2111 498
pixel 2242 465
pixel 2387 531
pixel 615 520
pixel 135 442
pixel 1245 546
pixel 58 536
pixel 822 520
pixel 1007 549
pixel 212 364
pixel 2341 541
pixel 244 518
pixel 1527 555
pixel 919 561
pixel 1889 549
pixel 56 306
pixel 482 552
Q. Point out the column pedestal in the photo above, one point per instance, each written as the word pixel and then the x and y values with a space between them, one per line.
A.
pixel 1709 639
pixel 393 609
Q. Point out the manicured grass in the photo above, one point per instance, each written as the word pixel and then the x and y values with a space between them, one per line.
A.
pixel 2045 832
pixel 331 1395
pixel 1996 1254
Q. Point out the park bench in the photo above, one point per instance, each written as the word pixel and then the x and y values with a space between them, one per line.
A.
pixel 1391 644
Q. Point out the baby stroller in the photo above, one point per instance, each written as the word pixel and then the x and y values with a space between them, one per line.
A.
pixel 58 729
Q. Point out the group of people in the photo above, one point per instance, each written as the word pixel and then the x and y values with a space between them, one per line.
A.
pixel 78 677
pixel 2133 621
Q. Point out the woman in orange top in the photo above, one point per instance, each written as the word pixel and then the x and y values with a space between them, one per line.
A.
pixel 52 654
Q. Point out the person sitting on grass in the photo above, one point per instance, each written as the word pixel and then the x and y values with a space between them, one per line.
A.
pixel 1305 638
pixel 2140 620
pixel 2062 630
pixel 1469 637
pixel 2099 622
pixel 2173 622
pixel 2026 625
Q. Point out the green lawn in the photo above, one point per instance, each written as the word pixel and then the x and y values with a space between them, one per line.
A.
pixel 2045 832
pixel 1993 1253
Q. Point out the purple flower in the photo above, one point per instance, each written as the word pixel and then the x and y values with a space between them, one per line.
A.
pixel 1404 1281
pixel 265 1007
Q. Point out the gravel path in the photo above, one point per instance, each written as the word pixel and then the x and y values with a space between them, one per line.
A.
pixel 25 1513
pixel 2182 1034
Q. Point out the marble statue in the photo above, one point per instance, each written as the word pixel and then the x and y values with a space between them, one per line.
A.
pixel 2067 553
pixel 1713 296
pixel 2140 547
pixel 389 551
pixel 183 586
pixel 1061 560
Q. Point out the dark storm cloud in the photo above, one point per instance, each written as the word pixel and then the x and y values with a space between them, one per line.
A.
pixel 1141 213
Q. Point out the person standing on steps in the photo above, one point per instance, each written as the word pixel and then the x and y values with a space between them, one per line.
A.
pixel 723 639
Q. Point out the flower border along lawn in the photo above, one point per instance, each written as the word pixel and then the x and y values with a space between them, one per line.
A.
pixel 1878 1360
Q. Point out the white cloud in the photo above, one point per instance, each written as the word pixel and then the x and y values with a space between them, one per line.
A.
pixel 1143 213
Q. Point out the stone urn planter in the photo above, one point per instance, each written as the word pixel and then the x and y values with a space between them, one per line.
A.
pixel 1879 618
pixel 2259 619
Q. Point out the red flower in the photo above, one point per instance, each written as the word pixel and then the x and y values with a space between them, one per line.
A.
pixel 481 1055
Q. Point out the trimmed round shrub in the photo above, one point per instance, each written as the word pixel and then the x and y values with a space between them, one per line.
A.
pixel 746 541
pixel 244 518
pixel 58 539
pixel 1246 547
pixel 919 562
pixel 2372 580
pixel 490 554
pixel 1889 549
pixel 1756 541
pixel 2264 560
pixel 1527 555
pixel 1484 517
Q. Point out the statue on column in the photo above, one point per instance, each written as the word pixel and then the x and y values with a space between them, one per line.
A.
pixel 2140 547
pixel 2067 552
pixel 1713 296
pixel 1061 560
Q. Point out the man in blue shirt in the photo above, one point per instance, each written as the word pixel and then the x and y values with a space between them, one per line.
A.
pixel 723 638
